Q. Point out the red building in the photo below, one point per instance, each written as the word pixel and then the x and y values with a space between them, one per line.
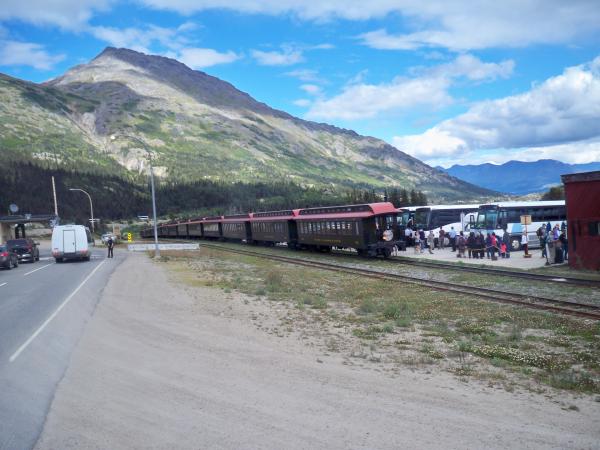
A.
pixel 582 195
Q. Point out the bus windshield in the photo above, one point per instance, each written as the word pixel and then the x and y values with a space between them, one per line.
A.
pixel 422 219
pixel 404 217
pixel 487 219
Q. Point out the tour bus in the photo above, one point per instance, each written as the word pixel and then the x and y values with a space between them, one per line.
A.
pixel 406 216
pixel 494 217
pixel 446 217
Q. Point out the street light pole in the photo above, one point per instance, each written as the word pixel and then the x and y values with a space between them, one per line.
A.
pixel 133 138
pixel 91 206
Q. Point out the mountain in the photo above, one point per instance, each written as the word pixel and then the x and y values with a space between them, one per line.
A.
pixel 196 127
pixel 518 177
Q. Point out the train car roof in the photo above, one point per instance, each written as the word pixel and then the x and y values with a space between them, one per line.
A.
pixel 347 211
pixel 271 216
pixel 524 204
pixel 212 219
pixel 237 218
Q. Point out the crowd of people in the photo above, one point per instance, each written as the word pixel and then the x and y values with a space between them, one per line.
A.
pixel 554 243
pixel 491 245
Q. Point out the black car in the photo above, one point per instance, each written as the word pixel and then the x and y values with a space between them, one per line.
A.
pixel 26 249
pixel 8 259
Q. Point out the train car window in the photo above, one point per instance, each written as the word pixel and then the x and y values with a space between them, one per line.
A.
pixel 594 228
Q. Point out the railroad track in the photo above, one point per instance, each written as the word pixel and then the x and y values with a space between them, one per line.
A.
pixel 480 270
pixel 541 303
pixel 500 272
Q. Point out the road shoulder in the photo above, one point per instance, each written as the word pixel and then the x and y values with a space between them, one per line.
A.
pixel 161 367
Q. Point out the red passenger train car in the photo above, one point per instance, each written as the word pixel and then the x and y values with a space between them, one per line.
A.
pixel 371 229
pixel 582 196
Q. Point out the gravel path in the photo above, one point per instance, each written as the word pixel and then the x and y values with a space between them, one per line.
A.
pixel 163 367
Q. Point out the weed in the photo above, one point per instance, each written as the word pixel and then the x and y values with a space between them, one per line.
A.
pixel 274 280
pixel 404 322
pixel 573 380
pixel 388 328
pixel 367 306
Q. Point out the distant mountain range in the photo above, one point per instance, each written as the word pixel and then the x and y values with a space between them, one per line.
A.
pixel 518 177
pixel 197 127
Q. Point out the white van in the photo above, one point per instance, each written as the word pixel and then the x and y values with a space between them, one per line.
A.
pixel 71 242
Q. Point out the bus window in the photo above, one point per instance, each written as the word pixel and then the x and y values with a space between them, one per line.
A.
pixel 487 219
pixel 421 220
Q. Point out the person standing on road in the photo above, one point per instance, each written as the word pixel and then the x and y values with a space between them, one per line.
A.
pixel 110 244
pixel 417 242
pixel 452 235
pixel 506 241
pixel 431 241
pixel 441 239
pixel 525 243
pixel 462 245
pixel 408 233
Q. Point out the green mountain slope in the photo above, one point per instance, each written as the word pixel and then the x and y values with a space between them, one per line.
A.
pixel 197 126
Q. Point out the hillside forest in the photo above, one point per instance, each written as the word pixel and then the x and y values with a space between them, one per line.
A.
pixel 119 198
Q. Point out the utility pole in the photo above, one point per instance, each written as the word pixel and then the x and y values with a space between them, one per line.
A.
pixel 54 194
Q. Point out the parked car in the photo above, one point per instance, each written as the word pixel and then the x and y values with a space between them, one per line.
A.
pixel 8 259
pixel 71 242
pixel 26 249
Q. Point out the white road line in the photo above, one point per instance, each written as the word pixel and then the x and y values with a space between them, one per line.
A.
pixel 53 315
pixel 3 284
pixel 45 258
pixel 39 268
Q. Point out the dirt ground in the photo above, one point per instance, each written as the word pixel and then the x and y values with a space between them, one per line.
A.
pixel 162 366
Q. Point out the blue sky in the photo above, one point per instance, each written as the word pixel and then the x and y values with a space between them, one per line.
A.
pixel 448 82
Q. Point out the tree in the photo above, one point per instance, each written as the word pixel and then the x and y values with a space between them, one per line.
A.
pixel 555 193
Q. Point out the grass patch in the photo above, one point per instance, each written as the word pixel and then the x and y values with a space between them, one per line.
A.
pixel 558 351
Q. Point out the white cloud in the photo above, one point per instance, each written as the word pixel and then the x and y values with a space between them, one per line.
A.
pixel 322 47
pixel 198 58
pixel 311 89
pixel 287 57
pixel 362 101
pixel 174 39
pixel 13 53
pixel 309 10
pixel 556 117
pixel 302 102
pixel 458 25
pixel 141 39
pixel 66 14
pixel 474 69
pixel 307 75
pixel 461 26
pixel 429 87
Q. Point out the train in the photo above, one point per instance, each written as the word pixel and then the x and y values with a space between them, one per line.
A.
pixel 371 229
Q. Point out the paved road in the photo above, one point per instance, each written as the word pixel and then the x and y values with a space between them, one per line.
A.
pixel 43 309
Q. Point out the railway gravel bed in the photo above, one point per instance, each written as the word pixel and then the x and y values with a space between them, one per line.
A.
pixel 588 311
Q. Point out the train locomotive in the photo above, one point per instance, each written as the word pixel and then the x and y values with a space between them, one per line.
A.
pixel 370 229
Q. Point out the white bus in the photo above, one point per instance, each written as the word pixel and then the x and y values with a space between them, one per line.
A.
pixel 507 216
pixel 443 216
pixel 406 216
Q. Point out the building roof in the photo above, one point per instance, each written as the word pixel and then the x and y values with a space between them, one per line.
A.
pixel 582 176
